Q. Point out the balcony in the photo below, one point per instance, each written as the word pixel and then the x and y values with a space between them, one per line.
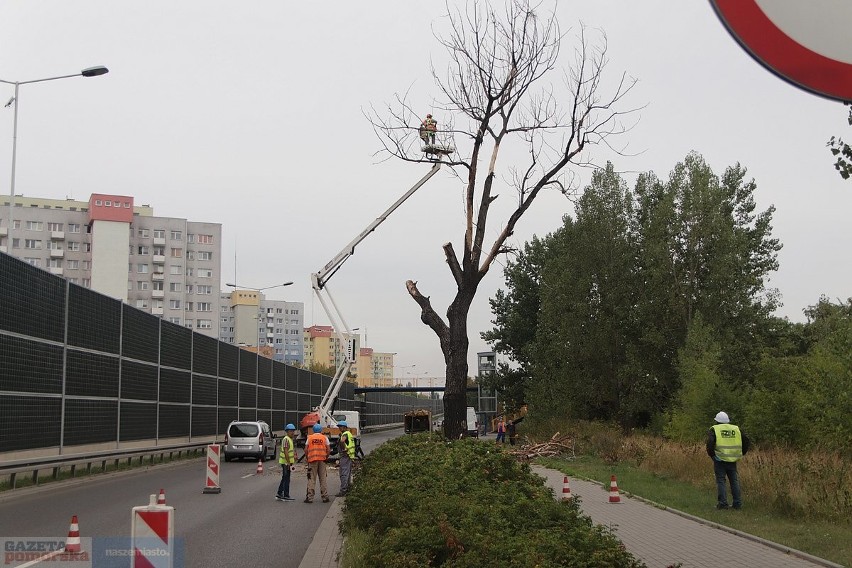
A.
pixel 158 293
pixel 157 311
pixel 57 253
pixel 3 248
pixel 57 235
pixel 270 325
pixel 159 241
pixel 57 271
pixel 270 335
pixel 159 259
pixel 3 231
pixel 158 276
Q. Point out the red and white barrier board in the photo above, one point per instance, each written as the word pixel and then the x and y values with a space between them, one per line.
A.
pixel 152 534
pixel 212 483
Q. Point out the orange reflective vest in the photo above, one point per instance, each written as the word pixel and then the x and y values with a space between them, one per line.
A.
pixel 317 448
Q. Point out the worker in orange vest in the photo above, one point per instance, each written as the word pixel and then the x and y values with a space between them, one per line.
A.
pixel 317 450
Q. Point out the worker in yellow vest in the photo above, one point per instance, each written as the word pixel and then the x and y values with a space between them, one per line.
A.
pixel 317 449
pixel 287 459
pixel 346 449
pixel 726 444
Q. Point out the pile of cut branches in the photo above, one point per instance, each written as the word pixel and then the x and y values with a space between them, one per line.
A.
pixel 557 445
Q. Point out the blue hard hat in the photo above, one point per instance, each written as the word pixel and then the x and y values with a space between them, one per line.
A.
pixel 342 424
pixel 317 428
pixel 289 427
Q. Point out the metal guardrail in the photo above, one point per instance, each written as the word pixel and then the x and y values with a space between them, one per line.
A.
pixel 57 464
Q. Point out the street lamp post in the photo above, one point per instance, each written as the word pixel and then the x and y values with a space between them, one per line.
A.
pixel 88 72
pixel 258 289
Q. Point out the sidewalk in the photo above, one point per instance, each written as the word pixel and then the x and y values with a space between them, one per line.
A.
pixel 658 537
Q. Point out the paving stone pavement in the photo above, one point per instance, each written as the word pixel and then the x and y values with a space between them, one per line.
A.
pixel 658 537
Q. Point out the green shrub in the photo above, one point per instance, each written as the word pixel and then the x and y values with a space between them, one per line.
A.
pixel 424 501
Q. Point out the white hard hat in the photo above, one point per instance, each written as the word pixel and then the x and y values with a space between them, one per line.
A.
pixel 722 418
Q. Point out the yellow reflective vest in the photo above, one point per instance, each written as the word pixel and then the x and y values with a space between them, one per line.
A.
pixel 729 442
pixel 288 451
pixel 348 443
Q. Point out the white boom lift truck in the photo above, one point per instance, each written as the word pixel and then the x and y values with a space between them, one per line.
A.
pixel 324 413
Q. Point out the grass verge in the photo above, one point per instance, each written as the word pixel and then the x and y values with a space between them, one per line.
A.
pixel 824 539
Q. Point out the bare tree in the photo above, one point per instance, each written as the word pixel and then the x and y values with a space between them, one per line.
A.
pixel 495 60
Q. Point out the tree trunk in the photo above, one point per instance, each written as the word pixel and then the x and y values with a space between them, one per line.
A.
pixel 455 356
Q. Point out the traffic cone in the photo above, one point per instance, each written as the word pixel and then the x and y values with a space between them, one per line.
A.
pixel 566 491
pixel 614 495
pixel 72 543
pixel 161 498
pixel 259 467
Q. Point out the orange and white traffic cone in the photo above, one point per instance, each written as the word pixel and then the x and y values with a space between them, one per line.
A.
pixel 72 543
pixel 161 498
pixel 259 467
pixel 614 495
pixel 566 491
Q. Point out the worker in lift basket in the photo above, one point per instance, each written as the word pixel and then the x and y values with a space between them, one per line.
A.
pixel 427 129
pixel 317 450
pixel 346 449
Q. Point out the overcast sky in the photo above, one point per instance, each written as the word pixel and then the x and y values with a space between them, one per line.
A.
pixel 249 114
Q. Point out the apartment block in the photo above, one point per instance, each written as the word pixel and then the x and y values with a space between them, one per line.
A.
pixel 322 346
pixel 375 369
pixel 167 266
pixel 247 318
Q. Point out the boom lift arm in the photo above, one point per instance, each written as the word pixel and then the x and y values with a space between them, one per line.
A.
pixel 319 282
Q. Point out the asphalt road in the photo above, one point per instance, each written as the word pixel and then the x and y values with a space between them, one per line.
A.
pixel 241 526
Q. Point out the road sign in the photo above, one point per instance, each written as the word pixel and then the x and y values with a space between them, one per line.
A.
pixel 804 42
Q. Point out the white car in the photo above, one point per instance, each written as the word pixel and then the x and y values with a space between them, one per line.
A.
pixel 249 439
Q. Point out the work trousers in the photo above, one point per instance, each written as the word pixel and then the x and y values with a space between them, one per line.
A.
pixel 316 470
pixel 345 472
pixel 727 469
pixel 284 485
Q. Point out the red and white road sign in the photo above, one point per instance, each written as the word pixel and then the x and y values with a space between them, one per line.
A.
pixel 212 483
pixel 804 42
pixel 152 533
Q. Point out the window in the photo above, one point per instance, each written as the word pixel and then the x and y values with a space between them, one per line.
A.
pixel 224 320
pixel 159 234
pixel 157 285
pixel 143 250
pixel 278 311
pixel 203 324
pixel 225 308
pixel 205 255
pixel 73 264
pixel 142 268
pixel 142 304
pixel 204 290
pixel 188 271
pixel 73 227
pixel 159 251
pixel 143 233
pixel 107 203
pixel 189 288
pixel 141 285
pixel 174 304
pixel 54 263
pixel 34 225
pixel 190 255
pixel 16 243
pixel 86 265
pixel 175 320
pixel 87 282
pixel 98 202
pixel 177 253
pixel 203 307
pixel 16 224
pixel 73 245
pixel 205 273
pixel 176 269
pixel 33 261
pixel 295 312
pixel 158 304
pixel 190 238
pixel 189 324
pixel 205 239
pixel 175 286
pixel 177 235
pixel 188 306
pixel 87 247
pixel 54 245
pixel 73 280
pixel 32 244
pixel 54 226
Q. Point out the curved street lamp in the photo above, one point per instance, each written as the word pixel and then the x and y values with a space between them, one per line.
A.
pixel 258 289
pixel 88 72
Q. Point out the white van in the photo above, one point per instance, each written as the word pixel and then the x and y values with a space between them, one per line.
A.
pixel 471 423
